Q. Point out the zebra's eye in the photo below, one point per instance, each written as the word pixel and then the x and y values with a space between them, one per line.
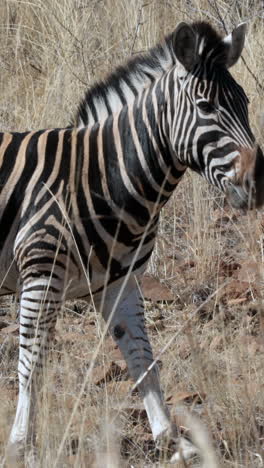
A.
pixel 206 107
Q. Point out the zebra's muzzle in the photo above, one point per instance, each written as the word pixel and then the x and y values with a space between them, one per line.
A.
pixel 239 198
pixel 247 191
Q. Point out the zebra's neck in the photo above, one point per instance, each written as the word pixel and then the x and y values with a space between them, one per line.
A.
pixel 135 159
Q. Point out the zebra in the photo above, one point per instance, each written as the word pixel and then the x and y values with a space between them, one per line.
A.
pixel 79 208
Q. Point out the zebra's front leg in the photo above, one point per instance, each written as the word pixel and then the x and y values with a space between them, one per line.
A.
pixel 127 327
pixel 39 306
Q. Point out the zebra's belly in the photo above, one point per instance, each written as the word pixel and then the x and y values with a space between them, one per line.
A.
pixel 83 288
pixel 101 284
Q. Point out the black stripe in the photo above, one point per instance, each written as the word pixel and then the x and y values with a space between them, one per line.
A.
pixel 93 110
pixel 52 260
pixel 17 197
pixel 10 156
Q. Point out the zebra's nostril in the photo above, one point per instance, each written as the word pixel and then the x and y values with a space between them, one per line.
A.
pixel 118 332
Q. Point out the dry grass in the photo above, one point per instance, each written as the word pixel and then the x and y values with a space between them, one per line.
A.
pixel 50 52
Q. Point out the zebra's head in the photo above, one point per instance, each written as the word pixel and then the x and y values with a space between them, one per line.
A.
pixel 209 126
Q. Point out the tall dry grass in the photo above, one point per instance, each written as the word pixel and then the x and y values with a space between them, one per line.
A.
pixel 50 53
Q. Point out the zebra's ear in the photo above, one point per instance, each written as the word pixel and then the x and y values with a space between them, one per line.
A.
pixel 185 46
pixel 235 41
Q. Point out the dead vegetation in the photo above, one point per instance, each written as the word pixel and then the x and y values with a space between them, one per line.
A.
pixel 204 292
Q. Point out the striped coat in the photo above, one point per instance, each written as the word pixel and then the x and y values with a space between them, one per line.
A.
pixel 79 208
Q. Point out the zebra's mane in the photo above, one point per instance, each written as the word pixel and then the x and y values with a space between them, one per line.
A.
pixel 206 30
pixel 126 81
pixel 213 40
pixel 138 72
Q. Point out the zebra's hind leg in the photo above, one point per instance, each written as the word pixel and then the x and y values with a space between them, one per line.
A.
pixel 39 305
pixel 127 327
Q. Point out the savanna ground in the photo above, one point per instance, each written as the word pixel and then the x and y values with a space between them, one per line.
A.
pixel 208 260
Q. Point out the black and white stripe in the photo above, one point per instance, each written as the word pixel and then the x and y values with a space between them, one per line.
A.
pixel 79 208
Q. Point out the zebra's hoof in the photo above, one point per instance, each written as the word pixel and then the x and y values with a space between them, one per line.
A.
pixel 185 450
pixel 32 459
pixel 18 456
pixel 175 448
pixel 14 454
